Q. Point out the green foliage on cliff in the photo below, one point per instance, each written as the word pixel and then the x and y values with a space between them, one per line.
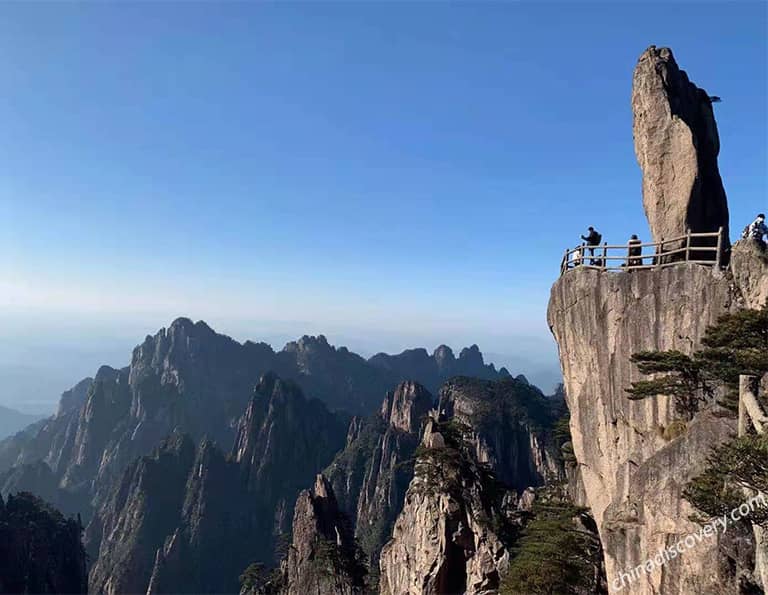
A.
pixel 562 434
pixel 257 578
pixel 40 549
pixel 736 344
pixel 740 463
pixel 558 552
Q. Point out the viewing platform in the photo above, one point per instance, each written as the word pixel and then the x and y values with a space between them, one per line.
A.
pixel 699 248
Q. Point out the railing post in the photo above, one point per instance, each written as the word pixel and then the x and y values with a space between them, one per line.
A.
pixel 688 245
pixel 564 263
pixel 659 252
pixel 605 256
pixel 718 255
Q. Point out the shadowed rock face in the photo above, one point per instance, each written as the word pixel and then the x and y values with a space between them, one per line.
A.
pixel 433 370
pixel 40 550
pixel 189 520
pixel 455 529
pixel 322 557
pixel 677 145
pixel 509 422
pixel 140 512
pixel 370 476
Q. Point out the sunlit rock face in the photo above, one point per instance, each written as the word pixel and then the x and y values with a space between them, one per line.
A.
pixel 677 144
pixel 322 557
pixel 447 538
pixel 632 469
pixel 632 472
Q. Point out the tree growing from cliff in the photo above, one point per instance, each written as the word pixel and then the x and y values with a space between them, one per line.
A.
pixel 738 464
pixel 736 344
pixel 40 550
pixel 558 552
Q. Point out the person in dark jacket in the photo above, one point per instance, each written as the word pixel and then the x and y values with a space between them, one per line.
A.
pixel 756 230
pixel 635 250
pixel 592 239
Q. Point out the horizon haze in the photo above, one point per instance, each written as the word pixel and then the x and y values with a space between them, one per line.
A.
pixel 389 175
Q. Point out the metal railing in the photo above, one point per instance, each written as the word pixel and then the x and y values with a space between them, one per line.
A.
pixel 700 248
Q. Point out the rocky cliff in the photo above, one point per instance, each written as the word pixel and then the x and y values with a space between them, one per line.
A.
pixel 456 525
pixel 141 510
pixel 510 425
pixel 370 476
pixel 484 447
pixel 632 463
pixel 40 550
pixel 322 557
pixel 432 370
pixel 635 457
pixel 677 144
pixel 191 519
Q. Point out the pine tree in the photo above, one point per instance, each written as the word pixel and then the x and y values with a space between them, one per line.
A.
pixel 736 344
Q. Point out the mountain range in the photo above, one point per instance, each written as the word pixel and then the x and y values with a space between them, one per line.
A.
pixel 186 465
pixel 12 421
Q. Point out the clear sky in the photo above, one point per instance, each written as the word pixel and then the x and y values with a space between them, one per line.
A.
pixel 392 174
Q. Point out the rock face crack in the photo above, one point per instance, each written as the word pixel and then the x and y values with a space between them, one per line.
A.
pixel 677 145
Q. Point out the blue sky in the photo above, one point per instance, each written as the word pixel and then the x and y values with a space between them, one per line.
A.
pixel 391 174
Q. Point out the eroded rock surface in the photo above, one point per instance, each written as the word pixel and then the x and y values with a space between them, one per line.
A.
pixel 633 467
pixel 322 557
pixel 372 473
pixel 453 533
pixel 677 144
pixel 749 266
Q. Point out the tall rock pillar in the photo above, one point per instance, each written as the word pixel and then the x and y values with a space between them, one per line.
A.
pixel 677 145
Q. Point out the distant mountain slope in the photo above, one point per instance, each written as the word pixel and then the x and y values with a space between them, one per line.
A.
pixel 12 421
pixel 432 370
pixel 189 519
pixel 189 377
pixel 189 380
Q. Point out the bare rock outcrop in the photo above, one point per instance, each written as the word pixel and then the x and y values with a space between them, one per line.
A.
pixel 371 475
pixel 632 465
pixel 677 144
pixel 508 422
pixel 749 266
pixel 450 535
pixel 635 457
pixel 322 557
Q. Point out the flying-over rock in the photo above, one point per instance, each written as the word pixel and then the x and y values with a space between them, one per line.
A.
pixel 323 557
pixel 677 144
